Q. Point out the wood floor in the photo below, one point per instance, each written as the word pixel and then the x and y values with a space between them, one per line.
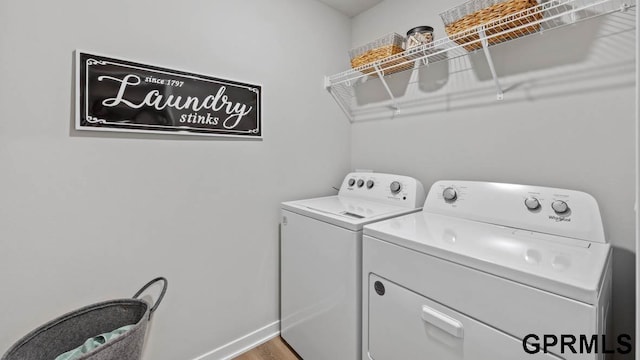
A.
pixel 274 349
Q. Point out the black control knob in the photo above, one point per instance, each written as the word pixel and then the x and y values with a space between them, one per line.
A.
pixel 360 183
pixel 352 182
pixel 370 184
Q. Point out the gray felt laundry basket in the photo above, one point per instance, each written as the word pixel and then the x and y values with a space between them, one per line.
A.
pixel 73 329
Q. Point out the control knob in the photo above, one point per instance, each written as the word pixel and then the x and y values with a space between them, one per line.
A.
pixel 360 183
pixel 450 194
pixel 395 187
pixel 370 184
pixel 532 203
pixel 560 207
pixel 352 182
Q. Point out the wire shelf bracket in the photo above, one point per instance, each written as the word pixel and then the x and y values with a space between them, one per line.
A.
pixel 394 103
pixel 485 46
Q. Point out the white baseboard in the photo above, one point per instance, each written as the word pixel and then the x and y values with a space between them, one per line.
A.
pixel 241 345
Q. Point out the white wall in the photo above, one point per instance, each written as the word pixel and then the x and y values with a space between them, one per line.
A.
pixel 567 120
pixel 86 217
pixel 637 184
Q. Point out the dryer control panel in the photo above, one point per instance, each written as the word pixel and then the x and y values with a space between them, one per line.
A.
pixel 392 189
pixel 562 212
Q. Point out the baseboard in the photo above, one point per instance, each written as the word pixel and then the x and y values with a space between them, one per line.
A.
pixel 240 345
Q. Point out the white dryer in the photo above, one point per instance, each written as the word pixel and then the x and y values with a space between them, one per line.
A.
pixel 483 267
pixel 321 261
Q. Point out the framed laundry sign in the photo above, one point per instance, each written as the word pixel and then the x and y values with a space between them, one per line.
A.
pixel 120 95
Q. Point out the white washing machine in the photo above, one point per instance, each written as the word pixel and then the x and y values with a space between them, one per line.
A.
pixel 481 268
pixel 321 261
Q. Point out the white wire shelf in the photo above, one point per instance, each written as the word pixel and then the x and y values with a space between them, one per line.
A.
pixel 545 16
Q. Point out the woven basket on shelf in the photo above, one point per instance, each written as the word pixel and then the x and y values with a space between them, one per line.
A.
pixel 498 17
pixel 377 50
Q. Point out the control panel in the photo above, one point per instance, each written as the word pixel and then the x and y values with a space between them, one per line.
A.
pixel 552 211
pixel 388 188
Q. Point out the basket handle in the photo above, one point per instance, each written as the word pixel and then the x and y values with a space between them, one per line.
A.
pixel 164 290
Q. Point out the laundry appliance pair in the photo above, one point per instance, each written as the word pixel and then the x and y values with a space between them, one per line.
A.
pixel 481 272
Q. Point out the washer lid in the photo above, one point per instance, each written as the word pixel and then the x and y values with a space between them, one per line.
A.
pixel 564 266
pixel 345 211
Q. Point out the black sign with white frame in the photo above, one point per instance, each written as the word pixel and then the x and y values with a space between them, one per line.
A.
pixel 121 95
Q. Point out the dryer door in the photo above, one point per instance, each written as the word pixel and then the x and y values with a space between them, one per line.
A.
pixel 405 325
